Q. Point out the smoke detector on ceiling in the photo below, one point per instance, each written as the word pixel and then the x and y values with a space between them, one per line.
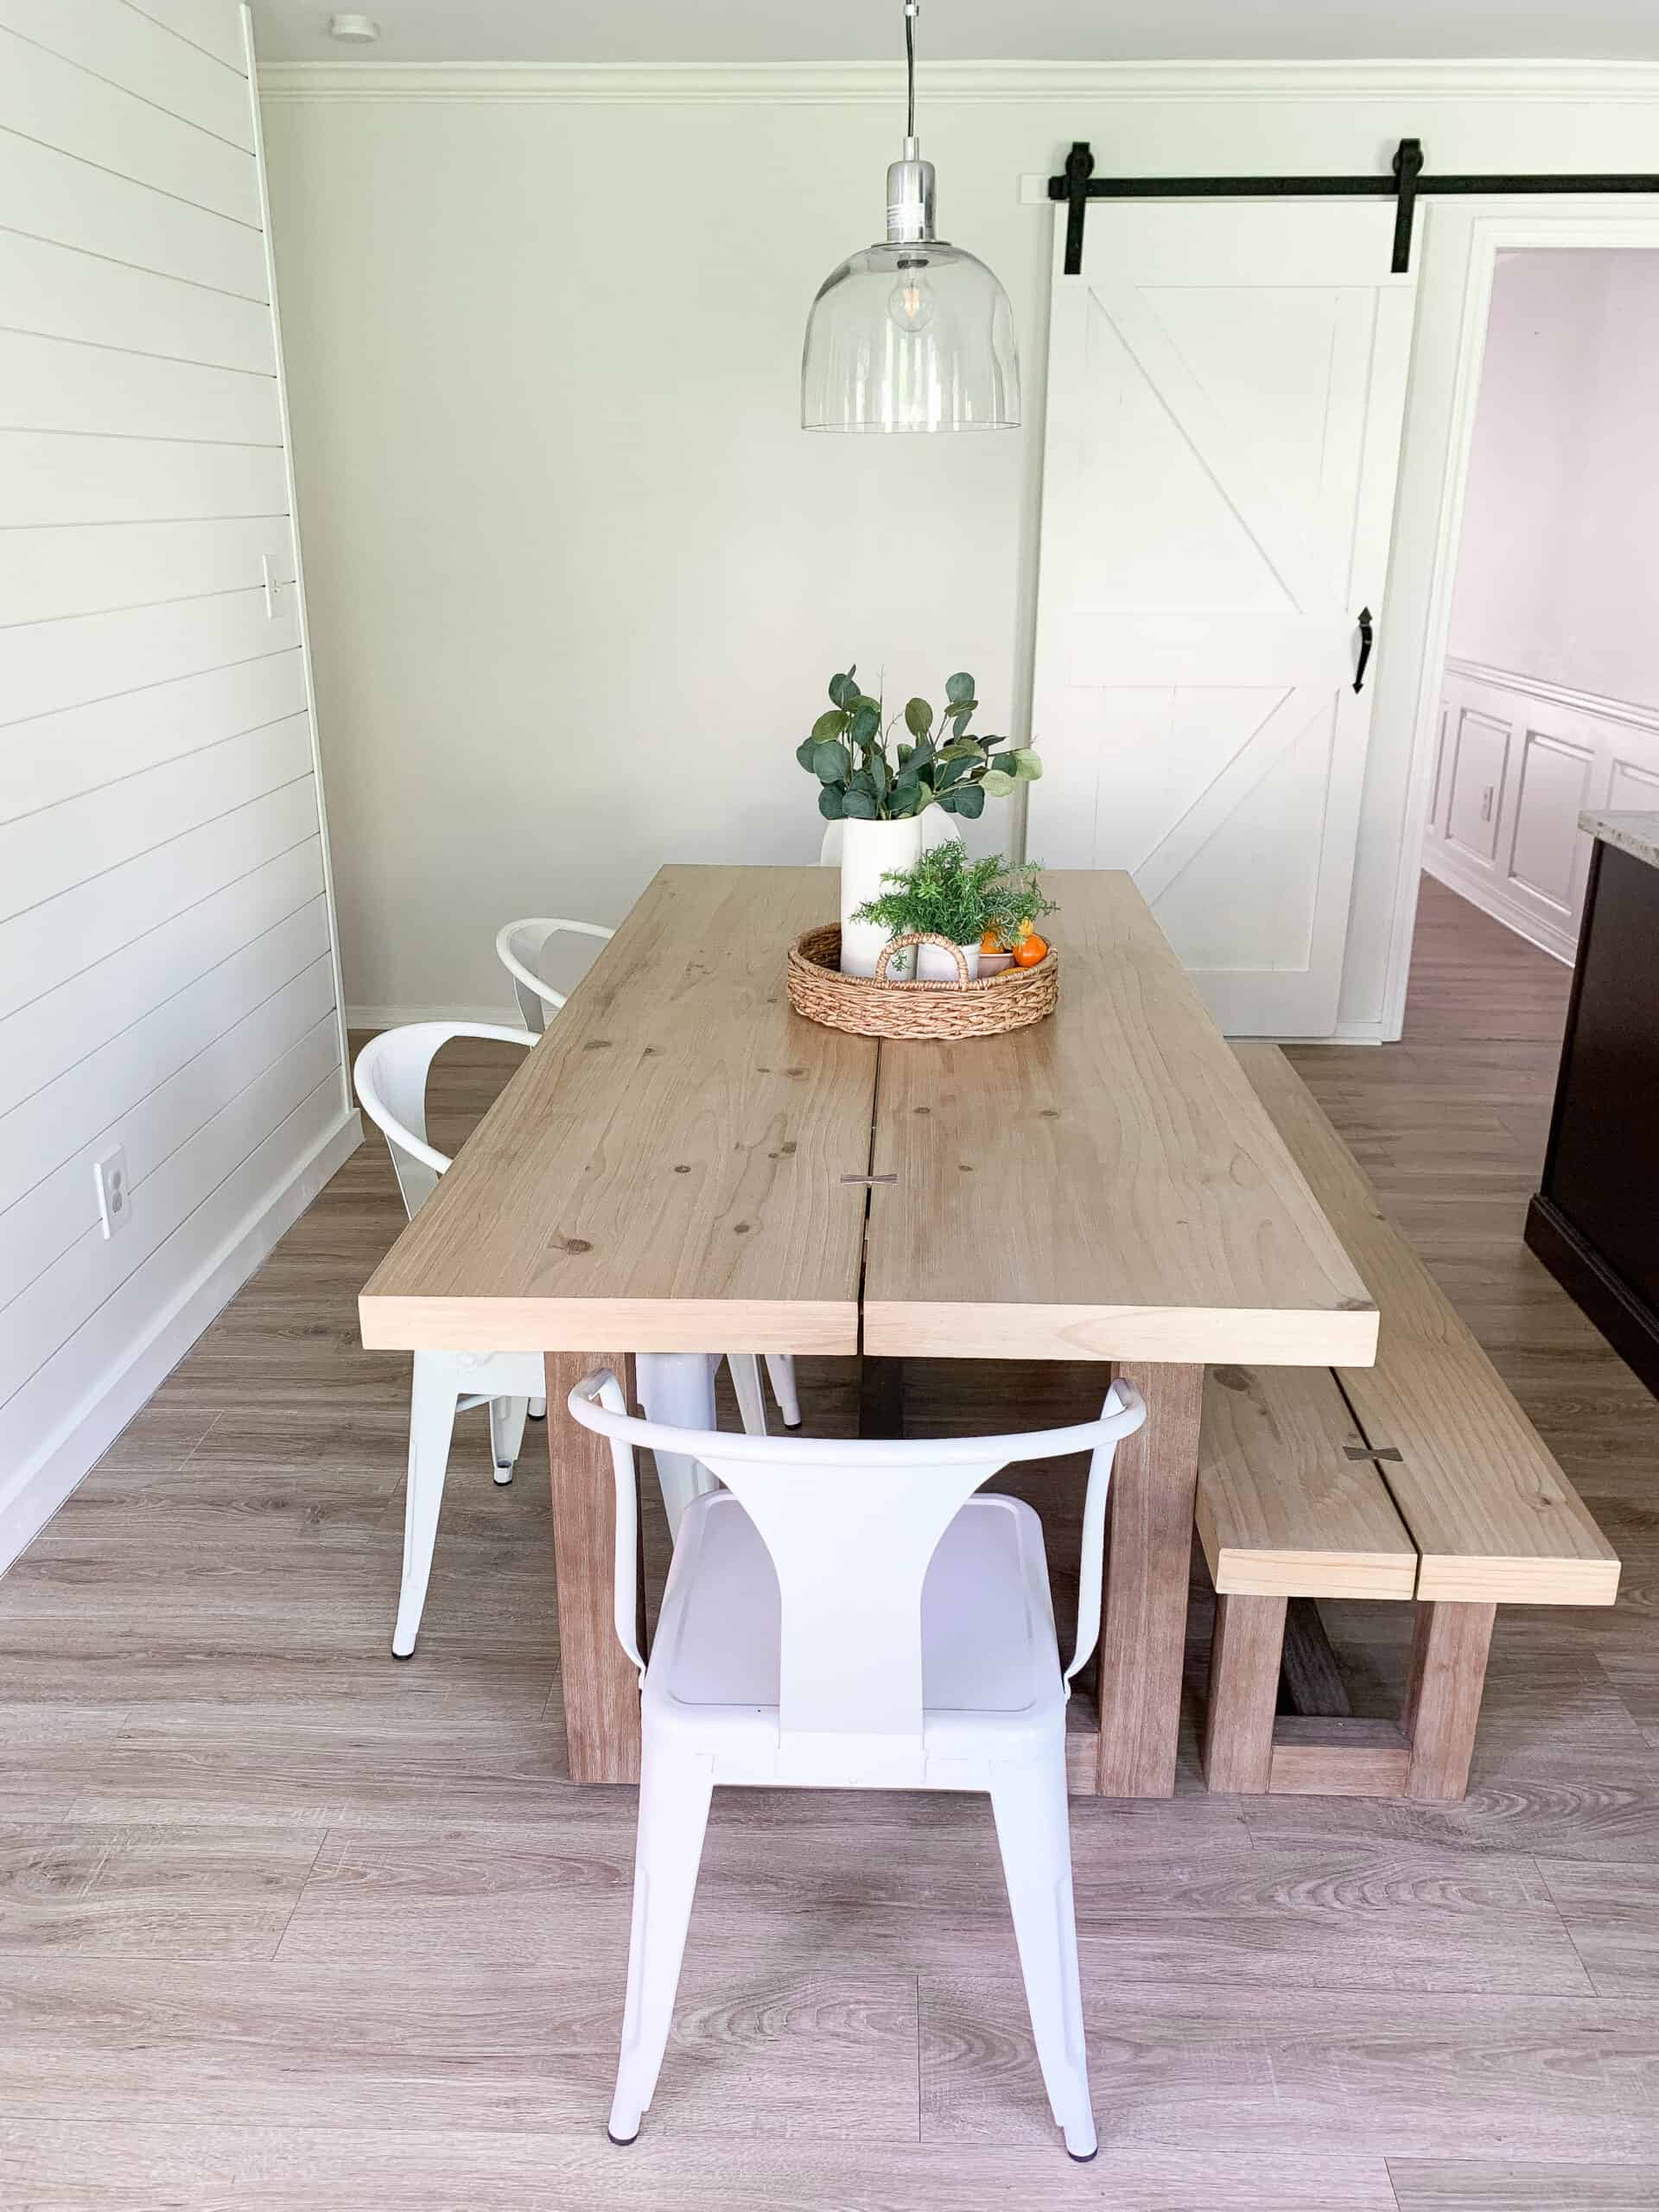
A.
pixel 354 30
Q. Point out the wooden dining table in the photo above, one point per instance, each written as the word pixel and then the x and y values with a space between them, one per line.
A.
pixel 684 1165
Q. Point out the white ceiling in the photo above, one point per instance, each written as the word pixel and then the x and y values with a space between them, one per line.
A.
pixel 979 30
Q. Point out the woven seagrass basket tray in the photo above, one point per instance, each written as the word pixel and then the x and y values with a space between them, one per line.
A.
pixel 869 1005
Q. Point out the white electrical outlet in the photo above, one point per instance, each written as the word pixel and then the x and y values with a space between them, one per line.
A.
pixel 110 1177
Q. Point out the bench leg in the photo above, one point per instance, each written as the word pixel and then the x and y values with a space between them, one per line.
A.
pixel 1244 1659
pixel 1448 1673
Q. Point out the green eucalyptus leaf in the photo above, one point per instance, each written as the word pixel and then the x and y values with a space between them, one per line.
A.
pixel 966 799
pixel 830 803
pixel 958 688
pixel 867 721
pixel 950 774
pixel 831 762
pixel 842 690
pixel 858 806
pixel 804 751
pixel 879 774
pixel 997 783
pixel 832 724
pixel 1027 766
pixel 960 716
pixel 919 717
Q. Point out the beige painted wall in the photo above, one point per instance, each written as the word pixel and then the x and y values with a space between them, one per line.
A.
pixel 576 575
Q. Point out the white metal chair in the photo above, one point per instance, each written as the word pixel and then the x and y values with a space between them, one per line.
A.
pixel 390 1075
pixel 851 1616
pixel 519 947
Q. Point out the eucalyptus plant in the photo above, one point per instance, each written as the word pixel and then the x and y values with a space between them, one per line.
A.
pixel 864 776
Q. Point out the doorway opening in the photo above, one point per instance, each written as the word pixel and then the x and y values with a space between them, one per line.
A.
pixel 1549 693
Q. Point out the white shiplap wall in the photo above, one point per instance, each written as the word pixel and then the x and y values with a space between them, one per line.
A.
pixel 168 978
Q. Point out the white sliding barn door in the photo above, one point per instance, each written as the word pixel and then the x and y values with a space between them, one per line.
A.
pixel 1226 385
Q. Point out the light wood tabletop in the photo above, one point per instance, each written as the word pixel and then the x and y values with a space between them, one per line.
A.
pixel 685 1165
pixel 668 1170
pixel 1104 1186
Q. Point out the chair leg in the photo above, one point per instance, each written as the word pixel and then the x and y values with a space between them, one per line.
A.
pixel 677 1388
pixel 674 1793
pixel 780 1372
pixel 1033 1830
pixel 431 1425
pixel 745 1381
pixel 507 1433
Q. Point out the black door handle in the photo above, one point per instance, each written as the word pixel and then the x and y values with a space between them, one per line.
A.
pixel 1366 640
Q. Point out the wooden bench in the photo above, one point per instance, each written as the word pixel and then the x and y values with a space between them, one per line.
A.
pixel 1419 1479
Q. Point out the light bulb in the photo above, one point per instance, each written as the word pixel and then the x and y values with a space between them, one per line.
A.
pixel 911 303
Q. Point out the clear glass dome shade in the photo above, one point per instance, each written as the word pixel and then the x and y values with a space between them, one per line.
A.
pixel 917 336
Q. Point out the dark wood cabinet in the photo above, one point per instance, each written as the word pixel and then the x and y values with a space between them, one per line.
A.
pixel 1595 1220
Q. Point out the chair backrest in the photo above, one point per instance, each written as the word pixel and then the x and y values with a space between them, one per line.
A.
pixel 851 1528
pixel 519 946
pixel 938 828
pixel 390 1074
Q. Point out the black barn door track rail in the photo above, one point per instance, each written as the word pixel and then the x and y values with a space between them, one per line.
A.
pixel 1404 184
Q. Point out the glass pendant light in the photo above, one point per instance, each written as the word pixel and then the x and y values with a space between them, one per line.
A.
pixel 915 334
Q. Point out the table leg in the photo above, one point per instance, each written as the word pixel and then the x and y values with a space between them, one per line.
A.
pixel 880 1397
pixel 1149 1549
pixel 600 1689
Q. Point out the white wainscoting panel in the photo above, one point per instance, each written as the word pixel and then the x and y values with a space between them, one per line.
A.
pixel 1519 760
pixel 168 976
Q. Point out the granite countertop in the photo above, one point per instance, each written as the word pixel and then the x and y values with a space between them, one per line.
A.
pixel 1632 833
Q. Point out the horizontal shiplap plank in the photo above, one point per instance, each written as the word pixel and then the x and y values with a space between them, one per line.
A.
pixel 58 1301
pixel 58 383
pixel 55 1393
pixel 46 665
pixel 64 1116
pixel 57 291
pixel 46 478
pixel 43 97
pixel 45 856
pixel 214 25
pixel 53 194
pixel 91 567
pixel 42 1226
pixel 116 43
pixel 52 757
pixel 41 948
pixel 59 1031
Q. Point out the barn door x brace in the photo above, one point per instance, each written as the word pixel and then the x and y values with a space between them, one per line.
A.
pixel 1405 184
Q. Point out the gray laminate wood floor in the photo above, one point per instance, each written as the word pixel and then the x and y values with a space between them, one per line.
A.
pixel 284 1924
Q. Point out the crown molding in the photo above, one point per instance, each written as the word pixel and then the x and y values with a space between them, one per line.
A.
pixel 688 83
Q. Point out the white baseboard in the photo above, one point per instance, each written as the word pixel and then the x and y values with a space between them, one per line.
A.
pixel 1345 1033
pixel 1481 894
pixel 30 1497
pixel 393 1017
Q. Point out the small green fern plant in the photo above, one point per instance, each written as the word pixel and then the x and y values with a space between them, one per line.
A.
pixel 946 895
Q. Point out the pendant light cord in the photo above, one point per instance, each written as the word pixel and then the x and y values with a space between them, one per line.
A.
pixel 912 10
